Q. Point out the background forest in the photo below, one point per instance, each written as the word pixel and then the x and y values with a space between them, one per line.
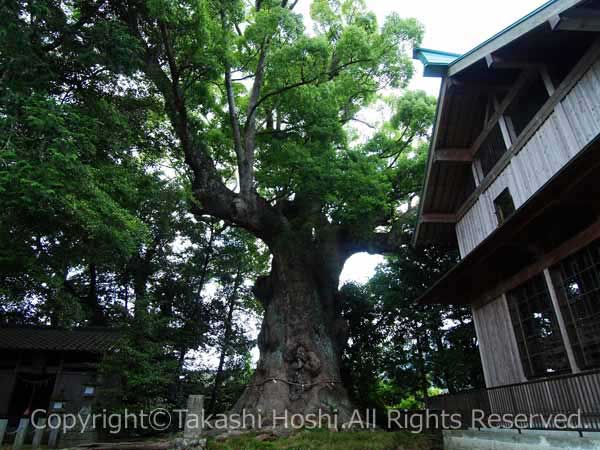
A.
pixel 101 227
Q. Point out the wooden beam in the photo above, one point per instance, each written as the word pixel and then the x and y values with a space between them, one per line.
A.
pixel 453 155
pixel 477 86
pixel 504 126
pixel 521 82
pixel 550 88
pixel 477 172
pixel 497 62
pixel 582 19
pixel 553 291
pixel 438 218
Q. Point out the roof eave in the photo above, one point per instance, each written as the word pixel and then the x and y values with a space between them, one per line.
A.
pixel 523 26
pixel 435 67
pixel 435 70
pixel 424 190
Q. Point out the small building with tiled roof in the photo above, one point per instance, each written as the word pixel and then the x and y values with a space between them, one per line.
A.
pixel 51 369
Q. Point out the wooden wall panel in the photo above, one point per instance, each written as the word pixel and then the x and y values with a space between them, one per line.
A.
pixel 574 123
pixel 69 388
pixel 497 344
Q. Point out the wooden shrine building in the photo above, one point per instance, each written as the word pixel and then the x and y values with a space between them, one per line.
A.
pixel 52 370
pixel 513 181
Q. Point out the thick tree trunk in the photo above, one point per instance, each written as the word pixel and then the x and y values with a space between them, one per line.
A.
pixel 300 342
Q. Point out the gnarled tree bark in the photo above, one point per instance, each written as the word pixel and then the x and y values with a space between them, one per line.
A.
pixel 301 339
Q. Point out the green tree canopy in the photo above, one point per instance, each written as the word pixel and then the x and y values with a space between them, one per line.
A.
pixel 252 114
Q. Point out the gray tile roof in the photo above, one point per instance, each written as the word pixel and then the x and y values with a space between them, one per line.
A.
pixel 82 340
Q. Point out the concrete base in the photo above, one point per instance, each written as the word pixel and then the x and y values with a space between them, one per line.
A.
pixel 526 440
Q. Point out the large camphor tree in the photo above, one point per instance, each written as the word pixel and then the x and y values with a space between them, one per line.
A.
pixel 258 110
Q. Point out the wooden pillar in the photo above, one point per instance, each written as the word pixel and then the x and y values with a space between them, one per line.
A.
pixel 3 425
pixel 53 437
pixel 21 433
pixel 482 349
pixel 548 83
pixel 561 322
pixel 477 171
pixel 498 348
pixel 58 384
pixel 38 434
pixel 506 128
pixel 54 425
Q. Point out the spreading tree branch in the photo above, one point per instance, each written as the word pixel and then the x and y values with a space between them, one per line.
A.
pixel 375 242
pixel 304 82
pixel 233 116
pixel 247 181
pixel 235 125
pixel 253 214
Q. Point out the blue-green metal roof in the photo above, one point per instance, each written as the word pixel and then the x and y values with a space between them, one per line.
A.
pixel 428 56
pixel 436 62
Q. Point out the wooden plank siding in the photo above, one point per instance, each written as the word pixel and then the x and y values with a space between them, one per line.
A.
pixel 569 128
pixel 497 344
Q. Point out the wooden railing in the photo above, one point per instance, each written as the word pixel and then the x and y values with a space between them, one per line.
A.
pixel 26 434
pixel 464 402
pixel 577 394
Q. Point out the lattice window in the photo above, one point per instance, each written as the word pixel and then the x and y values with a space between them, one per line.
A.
pixel 577 282
pixel 536 328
